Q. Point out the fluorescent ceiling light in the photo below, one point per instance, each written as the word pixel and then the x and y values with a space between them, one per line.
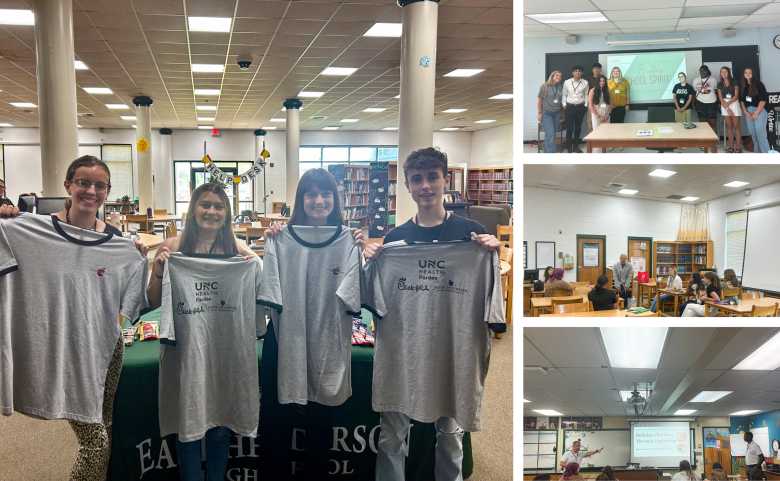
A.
pixel 628 191
pixel 709 396
pixel 209 24
pixel 311 94
pixel 271 127
pixel 390 128
pixel 343 71
pixel 77 125
pixel 397 96
pixel 547 412
pixel 208 67
pixel 464 72
pixel 350 120
pixel 744 413
pixel 553 183
pixel 450 128
pixel 134 126
pixel 764 358
pixel 684 412
pixel 736 183
pixel 205 127
pixel 278 120
pixel 690 198
pixel 647 42
pixel 621 345
pixel 502 97
pixel 79 65
pixel 17 17
pixel 453 111
pixel 5 124
pixel 205 119
pixel 206 91
pixel 385 30
pixel 128 117
pixel 117 106
pixel 97 90
pixel 662 173
pixel 330 128
pixel 23 105
pixel 484 121
pixel 526 401
pixel 375 109
pixel 206 107
pixel 575 17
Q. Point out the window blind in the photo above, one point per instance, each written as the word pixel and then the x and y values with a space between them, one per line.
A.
pixel 736 229
pixel 119 159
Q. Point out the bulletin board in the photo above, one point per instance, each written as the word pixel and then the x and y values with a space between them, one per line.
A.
pixel 539 449
pixel 640 254
pixel 545 254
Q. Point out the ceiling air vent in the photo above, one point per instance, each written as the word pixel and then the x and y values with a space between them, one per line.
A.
pixel 460 118
pixel 615 185
pixel 675 197
pixel 318 117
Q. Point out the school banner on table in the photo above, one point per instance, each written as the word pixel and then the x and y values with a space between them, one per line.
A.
pixel 773 119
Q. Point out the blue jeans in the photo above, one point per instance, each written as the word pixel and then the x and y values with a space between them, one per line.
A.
pixel 625 296
pixel 550 121
pixel 757 130
pixel 217 450
pixel 664 297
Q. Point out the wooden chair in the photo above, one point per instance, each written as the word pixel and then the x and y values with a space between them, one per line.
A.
pixel 160 212
pixel 170 230
pixel 561 293
pixel 254 233
pixel 506 286
pixel 504 234
pixel 749 295
pixel 764 311
pixel 572 300
pixel 255 217
pixel 141 220
pixel 567 308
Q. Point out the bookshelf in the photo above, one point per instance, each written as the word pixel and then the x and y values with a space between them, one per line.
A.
pixel 490 185
pixel 686 257
pixel 352 181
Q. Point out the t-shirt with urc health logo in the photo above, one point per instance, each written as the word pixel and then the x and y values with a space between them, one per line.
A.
pixel 62 289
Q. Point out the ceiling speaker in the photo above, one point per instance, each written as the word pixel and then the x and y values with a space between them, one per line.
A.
pixel 571 39
pixel 729 33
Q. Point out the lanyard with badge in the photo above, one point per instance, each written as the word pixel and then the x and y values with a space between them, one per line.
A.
pixel 555 94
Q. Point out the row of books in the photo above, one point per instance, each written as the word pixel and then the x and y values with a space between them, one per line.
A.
pixel 700 259
pixel 354 199
pixel 665 270
pixel 500 197
pixel 683 249
pixel 700 250
pixel 355 213
pixel 498 175
pixel 355 174
pixel 665 259
pixel 356 188
pixel 392 188
pixel 664 249
pixel 684 259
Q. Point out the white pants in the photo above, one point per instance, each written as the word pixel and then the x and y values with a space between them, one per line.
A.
pixel 391 455
pixel 595 121
pixel 697 310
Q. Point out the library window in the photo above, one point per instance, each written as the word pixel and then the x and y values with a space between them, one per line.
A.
pixel 736 229
pixel 119 159
pixel 320 157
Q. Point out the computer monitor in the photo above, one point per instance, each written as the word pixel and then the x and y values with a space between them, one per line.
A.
pixel 50 205
pixel 26 203
pixel 531 275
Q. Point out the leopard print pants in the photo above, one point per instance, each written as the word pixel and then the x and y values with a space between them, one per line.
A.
pixel 95 439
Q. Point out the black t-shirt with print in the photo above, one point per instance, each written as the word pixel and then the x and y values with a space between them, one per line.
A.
pixel 683 93
pixel 755 99
pixel 454 228
pixel 602 299
pixel 711 289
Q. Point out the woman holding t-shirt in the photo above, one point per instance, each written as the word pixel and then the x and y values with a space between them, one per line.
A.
pixel 682 95
pixel 88 182
pixel 728 94
pixel 548 108
pixel 755 103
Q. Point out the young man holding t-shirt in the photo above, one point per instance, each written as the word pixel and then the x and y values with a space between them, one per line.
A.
pixel 426 176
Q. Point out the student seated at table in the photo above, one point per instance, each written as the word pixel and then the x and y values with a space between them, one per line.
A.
pixel 730 277
pixel 547 276
pixel 756 474
pixel 556 282
pixel 609 473
pixel 714 291
pixel 572 470
pixel 694 284
pixel 674 282
pixel 717 474
pixel 686 473
pixel 603 299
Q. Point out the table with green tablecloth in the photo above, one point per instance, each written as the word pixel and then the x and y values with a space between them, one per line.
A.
pixel 138 452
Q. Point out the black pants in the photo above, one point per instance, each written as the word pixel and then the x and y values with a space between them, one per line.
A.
pixel 618 115
pixel 574 116
pixel 624 296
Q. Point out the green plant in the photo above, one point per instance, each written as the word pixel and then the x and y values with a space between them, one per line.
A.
pixel 126 199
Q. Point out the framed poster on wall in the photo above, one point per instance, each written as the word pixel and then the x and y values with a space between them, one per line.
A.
pixel 590 255
pixel 545 254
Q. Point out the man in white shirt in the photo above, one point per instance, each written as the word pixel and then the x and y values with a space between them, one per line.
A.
pixel 754 457
pixel 575 106
pixel 674 282
pixel 575 456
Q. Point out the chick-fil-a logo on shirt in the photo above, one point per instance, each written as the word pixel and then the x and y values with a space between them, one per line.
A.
pixel 101 271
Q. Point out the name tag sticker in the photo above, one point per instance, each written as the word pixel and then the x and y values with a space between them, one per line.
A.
pixel 555 101
pixel 617 91
pixel 728 96
pixel 603 105
pixel 682 101
pixel 749 99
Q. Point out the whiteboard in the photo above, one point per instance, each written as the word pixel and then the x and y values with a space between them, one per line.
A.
pixel 761 437
pixel 545 254
pixel 616 444
pixel 738 445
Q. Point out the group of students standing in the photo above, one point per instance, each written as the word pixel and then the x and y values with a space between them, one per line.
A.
pixel 606 100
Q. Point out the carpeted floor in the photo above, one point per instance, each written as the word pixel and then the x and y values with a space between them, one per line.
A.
pixel 31 449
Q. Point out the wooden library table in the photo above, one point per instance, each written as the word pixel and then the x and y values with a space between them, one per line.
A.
pixel 677 295
pixel 607 313
pixel 624 135
pixel 745 306
pixel 651 287
pixel 546 303
pixel 150 240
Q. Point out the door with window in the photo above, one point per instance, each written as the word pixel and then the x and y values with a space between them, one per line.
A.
pixel 591 258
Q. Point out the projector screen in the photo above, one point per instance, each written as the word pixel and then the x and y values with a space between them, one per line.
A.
pixel 763 230
pixel 661 444
pixel 652 75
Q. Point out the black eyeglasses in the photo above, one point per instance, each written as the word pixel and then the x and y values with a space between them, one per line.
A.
pixel 85 185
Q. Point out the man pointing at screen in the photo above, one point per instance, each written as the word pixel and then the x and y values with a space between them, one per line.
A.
pixel 575 456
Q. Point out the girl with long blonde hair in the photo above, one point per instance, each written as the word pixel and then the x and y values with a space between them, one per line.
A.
pixel 619 89
pixel 548 108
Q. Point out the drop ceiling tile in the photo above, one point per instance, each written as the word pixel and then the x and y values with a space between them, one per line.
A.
pixel 650 14
pixel 589 378
pixel 736 380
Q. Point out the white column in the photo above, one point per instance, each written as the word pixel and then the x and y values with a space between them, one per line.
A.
pixel 56 92
pixel 415 126
pixel 293 148
pixel 163 173
pixel 145 188
pixel 259 186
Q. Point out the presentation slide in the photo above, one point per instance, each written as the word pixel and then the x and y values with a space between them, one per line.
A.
pixel 660 444
pixel 762 233
pixel 652 75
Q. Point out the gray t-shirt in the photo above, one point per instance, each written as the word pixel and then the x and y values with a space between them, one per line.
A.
pixel 62 289
pixel 317 274
pixel 553 100
pixel 434 302
pixel 209 325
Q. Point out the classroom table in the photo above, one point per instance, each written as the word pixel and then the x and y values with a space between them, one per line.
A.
pixel 546 303
pixel 624 135
pixel 677 295
pixel 139 453
pixel 277 217
pixel 621 473
pixel 528 291
pixel 242 229
pixel 745 306
pixel 605 313
pixel 650 286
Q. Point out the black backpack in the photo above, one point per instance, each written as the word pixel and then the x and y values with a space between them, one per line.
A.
pixel 538 286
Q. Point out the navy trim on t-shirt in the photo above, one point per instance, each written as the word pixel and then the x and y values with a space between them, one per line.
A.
pixel 312 245
pixel 209 256
pixel 270 304
pixel 9 270
pixel 55 221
